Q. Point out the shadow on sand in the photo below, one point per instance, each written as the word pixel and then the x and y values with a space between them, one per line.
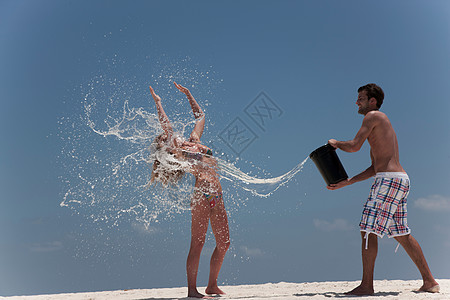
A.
pixel 342 295
pixel 308 295
pixel 182 298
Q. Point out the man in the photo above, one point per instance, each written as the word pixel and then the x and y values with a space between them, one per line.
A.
pixel 385 210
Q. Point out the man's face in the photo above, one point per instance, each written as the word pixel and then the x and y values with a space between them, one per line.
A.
pixel 363 103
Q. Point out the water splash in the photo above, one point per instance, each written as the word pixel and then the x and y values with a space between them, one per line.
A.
pixel 263 187
pixel 108 156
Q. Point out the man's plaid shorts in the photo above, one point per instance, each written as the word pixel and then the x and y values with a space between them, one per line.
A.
pixel 385 210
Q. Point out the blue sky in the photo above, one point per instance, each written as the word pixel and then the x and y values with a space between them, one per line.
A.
pixel 308 57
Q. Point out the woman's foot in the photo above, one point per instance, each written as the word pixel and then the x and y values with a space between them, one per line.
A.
pixel 195 294
pixel 214 291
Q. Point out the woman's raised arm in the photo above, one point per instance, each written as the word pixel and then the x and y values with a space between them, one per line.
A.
pixel 163 119
pixel 198 114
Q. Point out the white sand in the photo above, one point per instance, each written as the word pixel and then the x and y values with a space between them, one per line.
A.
pixel 384 289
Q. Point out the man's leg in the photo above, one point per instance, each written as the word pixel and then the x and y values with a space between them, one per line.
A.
pixel 368 259
pixel 414 251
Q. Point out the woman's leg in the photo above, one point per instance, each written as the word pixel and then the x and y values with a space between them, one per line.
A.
pixel 199 226
pixel 219 224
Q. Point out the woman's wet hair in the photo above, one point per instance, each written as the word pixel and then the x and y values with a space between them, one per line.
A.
pixel 167 172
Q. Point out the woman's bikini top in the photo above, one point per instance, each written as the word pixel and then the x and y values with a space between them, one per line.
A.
pixel 196 155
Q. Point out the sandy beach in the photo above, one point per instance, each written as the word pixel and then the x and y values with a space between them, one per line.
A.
pixel 384 289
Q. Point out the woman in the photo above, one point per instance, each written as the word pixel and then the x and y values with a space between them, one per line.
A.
pixel 207 202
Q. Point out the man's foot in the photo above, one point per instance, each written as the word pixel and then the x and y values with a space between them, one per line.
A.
pixel 430 288
pixel 214 291
pixel 361 291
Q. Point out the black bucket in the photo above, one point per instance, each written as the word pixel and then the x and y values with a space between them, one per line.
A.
pixel 328 163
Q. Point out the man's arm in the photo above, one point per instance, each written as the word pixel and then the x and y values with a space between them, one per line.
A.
pixel 366 174
pixel 354 145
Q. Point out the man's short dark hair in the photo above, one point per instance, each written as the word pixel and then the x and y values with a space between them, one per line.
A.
pixel 373 91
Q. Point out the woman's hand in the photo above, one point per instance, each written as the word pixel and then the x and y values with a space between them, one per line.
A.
pixel 182 88
pixel 155 97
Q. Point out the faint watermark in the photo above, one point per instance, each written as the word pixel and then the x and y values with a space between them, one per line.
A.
pixel 238 134
pixel 262 110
